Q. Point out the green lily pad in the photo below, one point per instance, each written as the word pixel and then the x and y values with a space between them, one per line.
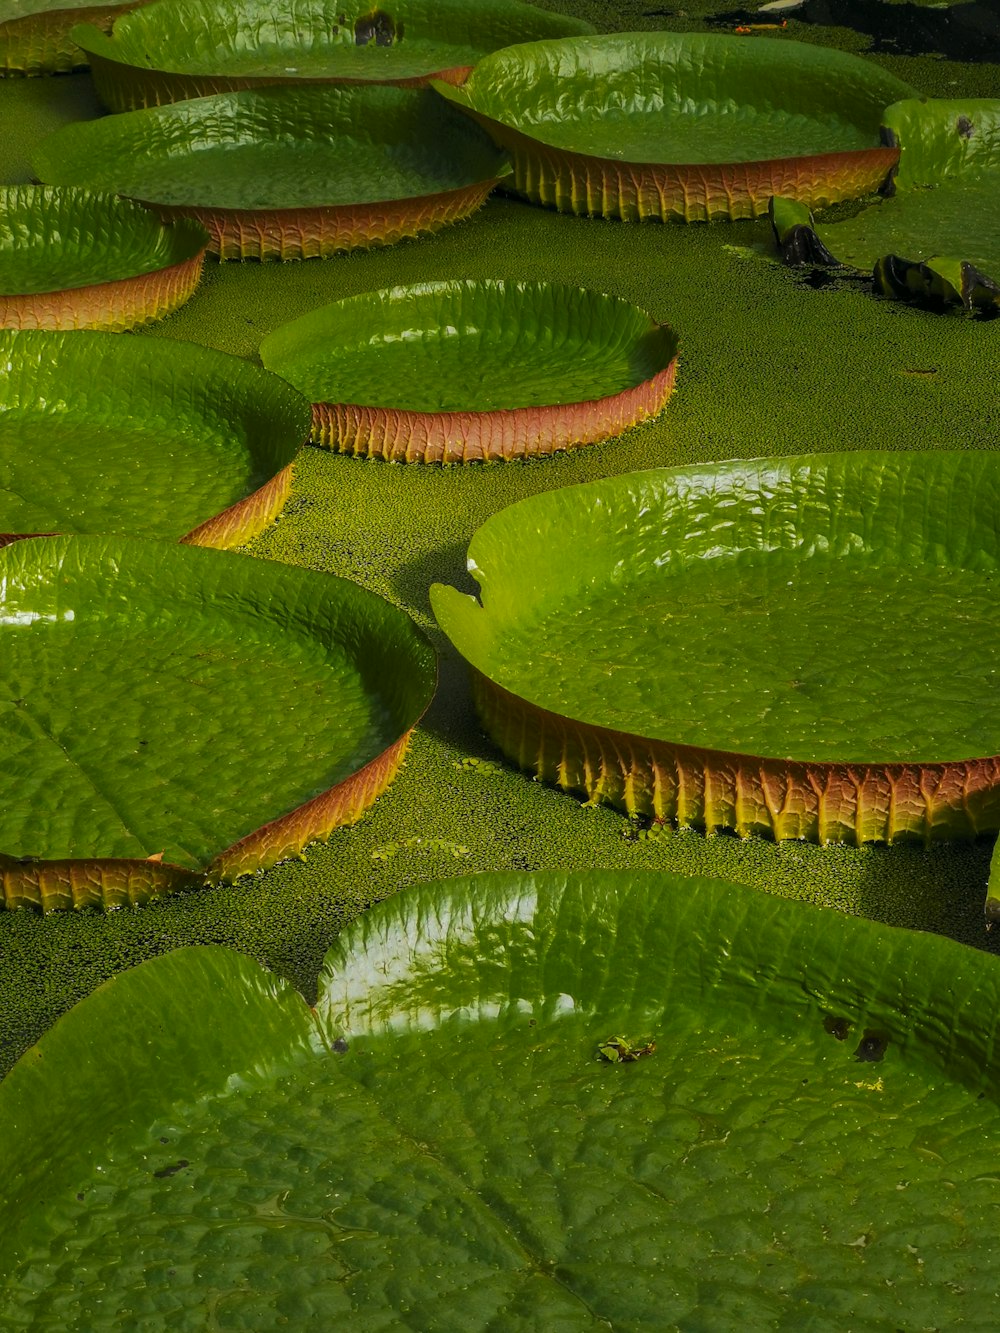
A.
pixel 100 433
pixel 668 125
pixel 439 1147
pixel 34 34
pixel 187 711
pixel 178 48
pixel 288 172
pixel 940 138
pixel 993 890
pixel 804 647
pixel 938 236
pixel 448 371
pixel 72 259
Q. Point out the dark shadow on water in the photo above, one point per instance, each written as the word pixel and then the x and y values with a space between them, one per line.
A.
pixel 445 564
pixel 964 32
pixel 969 32
pixel 451 715
pixel 941 888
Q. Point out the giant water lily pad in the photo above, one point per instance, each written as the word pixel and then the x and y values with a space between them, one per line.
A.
pixel 441 1145
pixel 34 34
pixel 938 236
pixel 803 647
pixel 171 713
pixel 664 125
pixel 73 259
pixel 181 49
pixel 288 173
pixel 102 433
pixel 453 371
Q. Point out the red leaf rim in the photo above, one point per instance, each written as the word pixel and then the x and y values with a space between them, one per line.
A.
pixel 462 437
pixel 716 789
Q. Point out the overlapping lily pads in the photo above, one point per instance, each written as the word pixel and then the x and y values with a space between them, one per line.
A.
pixel 181 49
pixel 100 433
pixel 456 371
pixel 688 127
pixel 73 259
pixel 938 236
pixel 34 34
pixel 288 173
pixel 172 714
pixel 803 647
pixel 441 1145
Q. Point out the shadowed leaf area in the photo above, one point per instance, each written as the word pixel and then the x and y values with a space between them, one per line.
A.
pixel 34 34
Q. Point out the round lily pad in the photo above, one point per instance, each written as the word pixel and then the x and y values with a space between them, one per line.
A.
pixel 172 713
pixel 178 48
pixel 288 173
pixel 73 259
pixel 453 371
pixel 802 647
pixel 683 126
pixel 448 1142
pixel 101 433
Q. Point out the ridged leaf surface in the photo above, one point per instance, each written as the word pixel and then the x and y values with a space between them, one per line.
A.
pixel 52 239
pixel 276 148
pixel 668 97
pixel 162 699
pixel 12 10
pixel 440 1147
pixel 835 608
pixel 100 433
pixel 321 39
pixel 34 34
pixel 469 346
